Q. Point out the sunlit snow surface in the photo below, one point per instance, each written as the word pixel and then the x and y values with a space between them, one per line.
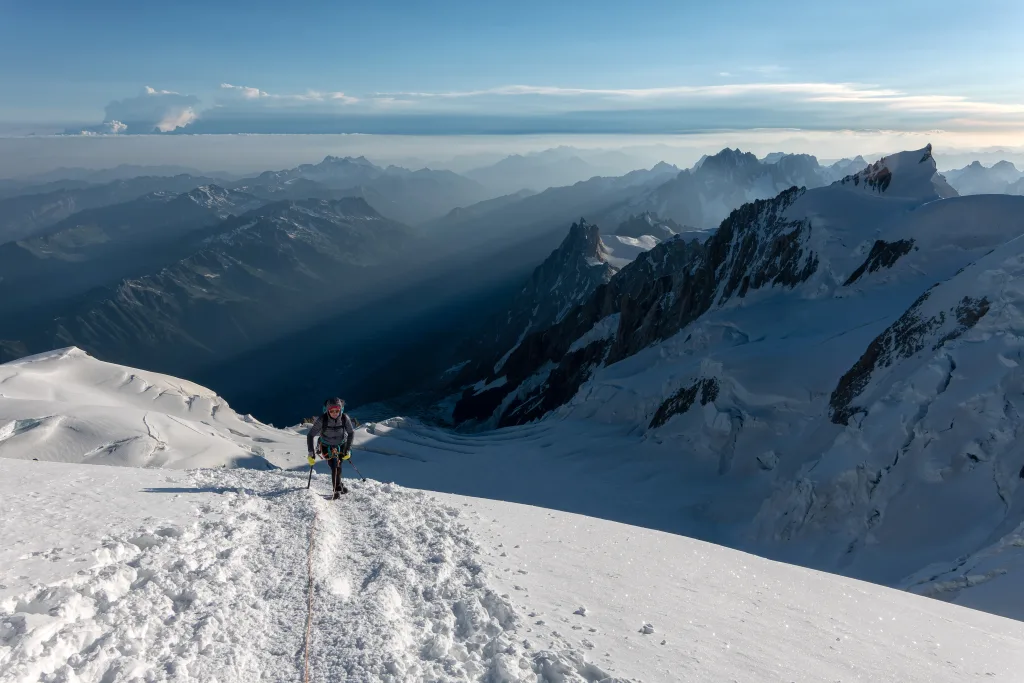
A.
pixel 66 406
pixel 124 573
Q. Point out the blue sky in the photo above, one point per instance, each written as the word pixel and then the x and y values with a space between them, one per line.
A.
pixel 523 67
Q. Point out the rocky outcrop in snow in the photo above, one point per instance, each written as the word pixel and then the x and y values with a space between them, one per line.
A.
pixel 658 294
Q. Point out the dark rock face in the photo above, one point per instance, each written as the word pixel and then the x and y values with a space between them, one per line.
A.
pixel 657 295
pixel 904 338
pixel 566 278
pixel 683 400
pixel 877 176
pixel 968 312
pixel 882 255
pixel 561 385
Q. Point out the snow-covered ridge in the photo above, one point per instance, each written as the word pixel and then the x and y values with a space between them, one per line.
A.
pixel 910 174
pixel 66 406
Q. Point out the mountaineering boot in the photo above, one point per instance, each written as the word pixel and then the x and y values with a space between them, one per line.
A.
pixel 337 495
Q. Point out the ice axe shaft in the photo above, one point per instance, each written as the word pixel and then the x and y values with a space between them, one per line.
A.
pixel 356 468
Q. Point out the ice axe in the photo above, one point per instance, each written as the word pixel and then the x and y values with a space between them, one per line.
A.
pixel 361 477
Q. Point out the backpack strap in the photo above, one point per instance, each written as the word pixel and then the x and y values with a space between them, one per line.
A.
pixel 323 426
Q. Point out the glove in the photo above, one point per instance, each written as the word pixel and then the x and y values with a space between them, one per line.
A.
pixel 310 459
pixel 346 456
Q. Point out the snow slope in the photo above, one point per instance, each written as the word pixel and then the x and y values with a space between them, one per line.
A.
pixel 129 573
pixel 67 406
pixel 162 576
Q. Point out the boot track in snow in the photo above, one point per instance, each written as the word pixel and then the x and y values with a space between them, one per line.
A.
pixel 388 586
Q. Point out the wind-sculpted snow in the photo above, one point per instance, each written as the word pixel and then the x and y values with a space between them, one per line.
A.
pixel 66 406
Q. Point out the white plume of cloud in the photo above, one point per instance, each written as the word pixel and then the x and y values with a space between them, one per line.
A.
pixel 153 109
pixel 176 119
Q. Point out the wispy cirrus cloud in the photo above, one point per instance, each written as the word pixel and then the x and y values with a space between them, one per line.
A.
pixel 743 95
pixel 250 93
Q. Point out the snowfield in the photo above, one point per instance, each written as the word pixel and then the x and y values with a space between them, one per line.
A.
pixel 69 407
pixel 202 575
pixel 142 573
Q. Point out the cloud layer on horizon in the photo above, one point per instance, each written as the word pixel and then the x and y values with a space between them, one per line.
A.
pixel 521 109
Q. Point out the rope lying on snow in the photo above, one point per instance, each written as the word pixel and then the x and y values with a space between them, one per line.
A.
pixel 309 604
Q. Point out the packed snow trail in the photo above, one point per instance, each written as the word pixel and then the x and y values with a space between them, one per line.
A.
pixel 399 594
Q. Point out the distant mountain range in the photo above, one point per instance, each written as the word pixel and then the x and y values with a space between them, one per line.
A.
pixel 99 246
pixel 24 215
pixel 246 278
pixel 1000 178
pixel 411 197
pixel 703 196
pixel 75 276
pixel 556 167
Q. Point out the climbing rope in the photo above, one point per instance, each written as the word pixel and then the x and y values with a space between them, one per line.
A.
pixel 309 603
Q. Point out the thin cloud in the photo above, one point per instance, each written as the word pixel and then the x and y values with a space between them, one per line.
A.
pixel 822 89
pixel 249 93
pixel 826 93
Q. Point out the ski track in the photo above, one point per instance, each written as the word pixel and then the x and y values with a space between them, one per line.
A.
pixel 399 594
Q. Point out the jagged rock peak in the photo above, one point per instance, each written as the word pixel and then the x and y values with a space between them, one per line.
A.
pixel 728 159
pixel 584 238
pixel 360 160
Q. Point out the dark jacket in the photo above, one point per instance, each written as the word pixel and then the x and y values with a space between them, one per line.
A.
pixel 336 432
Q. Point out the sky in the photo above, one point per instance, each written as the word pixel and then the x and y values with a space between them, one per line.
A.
pixel 462 67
